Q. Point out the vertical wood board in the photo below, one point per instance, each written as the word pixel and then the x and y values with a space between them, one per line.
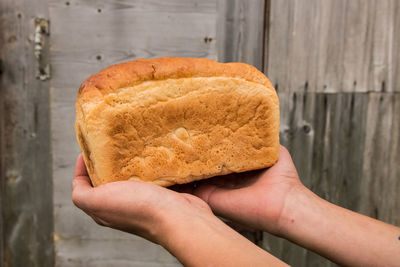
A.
pixel 240 31
pixel 26 197
pixel 333 46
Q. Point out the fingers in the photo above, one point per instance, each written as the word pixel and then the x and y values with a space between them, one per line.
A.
pixel 83 194
pixel 233 204
pixel 284 166
pixel 81 177
pixel 218 198
pixel 204 191
pixel 80 167
pixel 82 189
pixel 236 201
pixel 284 157
pixel 99 221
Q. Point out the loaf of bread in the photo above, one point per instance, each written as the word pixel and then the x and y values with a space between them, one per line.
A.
pixel 176 120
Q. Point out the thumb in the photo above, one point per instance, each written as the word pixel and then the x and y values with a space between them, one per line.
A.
pixel 221 200
pixel 284 160
pixel 284 166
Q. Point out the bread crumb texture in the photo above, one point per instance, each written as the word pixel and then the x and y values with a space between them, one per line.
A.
pixel 176 120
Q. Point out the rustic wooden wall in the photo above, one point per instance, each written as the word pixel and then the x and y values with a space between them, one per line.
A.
pixel 334 65
pixel 26 188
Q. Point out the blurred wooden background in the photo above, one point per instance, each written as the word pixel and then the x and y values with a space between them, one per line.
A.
pixel 335 65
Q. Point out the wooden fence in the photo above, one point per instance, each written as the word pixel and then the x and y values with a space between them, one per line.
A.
pixel 333 63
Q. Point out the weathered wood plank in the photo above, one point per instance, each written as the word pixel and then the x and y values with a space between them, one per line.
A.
pixel 394 53
pixel 114 262
pixel 134 251
pixel 381 169
pixel 333 46
pixel 240 31
pixel 86 37
pixel 299 46
pixel 27 220
pixel 2 233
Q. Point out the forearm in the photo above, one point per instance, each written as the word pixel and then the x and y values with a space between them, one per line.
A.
pixel 341 235
pixel 210 242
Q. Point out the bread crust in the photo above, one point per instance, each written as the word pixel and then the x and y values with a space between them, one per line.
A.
pixel 137 71
pixel 139 92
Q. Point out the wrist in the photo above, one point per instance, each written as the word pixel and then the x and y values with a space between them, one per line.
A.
pixel 188 237
pixel 204 240
pixel 173 228
pixel 171 220
pixel 300 207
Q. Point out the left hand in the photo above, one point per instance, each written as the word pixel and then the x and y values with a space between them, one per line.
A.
pixel 135 207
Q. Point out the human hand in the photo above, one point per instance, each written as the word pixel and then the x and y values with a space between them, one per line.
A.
pixel 255 199
pixel 167 218
pixel 135 207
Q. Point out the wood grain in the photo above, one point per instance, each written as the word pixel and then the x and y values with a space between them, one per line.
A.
pixel 27 221
pixel 381 158
pixel 2 191
pixel 333 64
pixel 332 46
pixel 86 37
pixel 240 31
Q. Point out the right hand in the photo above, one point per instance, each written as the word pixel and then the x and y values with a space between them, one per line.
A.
pixel 255 199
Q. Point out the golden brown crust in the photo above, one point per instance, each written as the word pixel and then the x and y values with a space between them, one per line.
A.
pixel 176 120
pixel 135 72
